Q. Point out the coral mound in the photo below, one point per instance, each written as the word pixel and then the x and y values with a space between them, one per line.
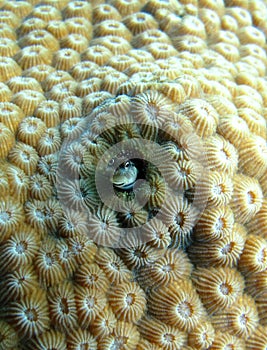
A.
pixel 133 162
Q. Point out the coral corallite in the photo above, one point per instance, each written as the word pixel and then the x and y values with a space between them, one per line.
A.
pixel 30 314
pixel 127 302
pixel 177 306
pixel 168 250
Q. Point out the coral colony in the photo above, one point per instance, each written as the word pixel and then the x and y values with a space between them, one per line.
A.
pixel 133 175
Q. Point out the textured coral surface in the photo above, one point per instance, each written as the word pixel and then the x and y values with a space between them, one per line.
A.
pixel 133 175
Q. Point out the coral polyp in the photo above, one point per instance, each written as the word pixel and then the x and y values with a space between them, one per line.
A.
pixel 133 162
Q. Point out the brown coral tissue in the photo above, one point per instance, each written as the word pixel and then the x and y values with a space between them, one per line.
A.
pixel 133 175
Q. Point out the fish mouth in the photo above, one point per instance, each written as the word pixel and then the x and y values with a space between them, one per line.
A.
pixel 125 186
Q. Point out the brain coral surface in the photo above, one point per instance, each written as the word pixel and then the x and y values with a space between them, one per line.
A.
pixel 133 175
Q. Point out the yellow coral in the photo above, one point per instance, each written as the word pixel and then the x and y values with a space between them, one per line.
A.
pixel 186 262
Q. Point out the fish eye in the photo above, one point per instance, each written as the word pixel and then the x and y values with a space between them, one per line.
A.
pixel 127 164
pixel 111 162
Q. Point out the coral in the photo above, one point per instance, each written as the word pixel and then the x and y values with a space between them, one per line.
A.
pixel 47 165
pixel 103 226
pixel 8 47
pixel 89 302
pixel 114 268
pixel 72 223
pixel 127 301
pixel 104 323
pixel 83 70
pixel 46 13
pixel 179 216
pixel 49 339
pixel 47 264
pixel 79 25
pixel 257 225
pixel 28 100
pixel 7 31
pixel 139 23
pixel 177 306
pixel 22 8
pixel 157 234
pixel 3 183
pixel 49 142
pixel 61 91
pixel 98 54
pixel 150 109
pixel 31 56
pixel 62 307
pixel 126 7
pixel 39 187
pixel 221 155
pixel 234 129
pixel 58 29
pixel 92 277
pixel 222 252
pixel 216 188
pixel 70 107
pixel 173 266
pixel 183 174
pixel 40 37
pixel 225 339
pixel 150 36
pixel 202 115
pixel 103 12
pixel 66 258
pixel 29 315
pixel 173 91
pixel 39 72
pixel 55 77
pixel 256 150
pixel 258 339
pixel 111 27
pixel 112 82
pixel 5 93
pixel 24 157
pixel 7 140
pixel 18 183
pixel 11 214
pixel 202 336
pixel 218 288
pixel 132 215
pixel 65 59
pixel 78 9
pixel 9 338
pixel 210 20
pixel 30 131
pixel 254 256
pixel 116 44
pixel 74 159
pixel 247 198
pixel 9 69
pixel 9 18
pixel 126 334
pixel 31 24
pixel 81 338
pixel 76 42
pixel 165 336
pixel 169 251
pixel 83 250
pixel 215 223
pixel 17 84
pixel 19 249
pixel 19 283
pixel 240 320
pixel 137 255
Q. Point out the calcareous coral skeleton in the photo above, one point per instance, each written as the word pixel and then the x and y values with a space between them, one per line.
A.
pixel 133 162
